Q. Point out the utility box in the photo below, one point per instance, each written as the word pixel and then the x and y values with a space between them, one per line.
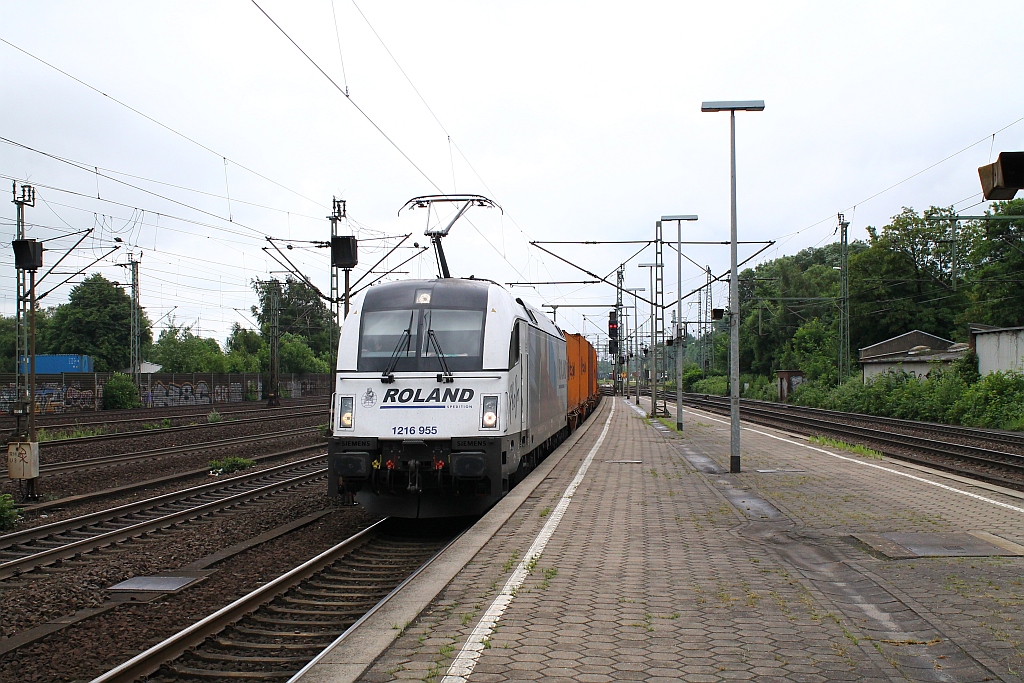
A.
pixel 23 460
pixel 1002 179
pixel 344 251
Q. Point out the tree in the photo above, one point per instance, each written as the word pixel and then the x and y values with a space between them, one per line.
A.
pixel 996 294
pixel 302 312
pixel 179 350
pixel 96 321
pixel 296 356
pixel 246 350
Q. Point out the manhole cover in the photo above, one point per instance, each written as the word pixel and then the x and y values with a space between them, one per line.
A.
pixel 158 584
pixel 972 544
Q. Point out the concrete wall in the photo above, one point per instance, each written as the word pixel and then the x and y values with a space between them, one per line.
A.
pixel 919 369
pixel 1002 350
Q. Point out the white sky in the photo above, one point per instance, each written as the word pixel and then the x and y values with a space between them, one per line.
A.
pixel 582 119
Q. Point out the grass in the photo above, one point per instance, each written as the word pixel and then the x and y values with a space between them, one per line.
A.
pixel 214 417
pixel 230 464
pixel 75 433
pixel 511 561
pixel 843 446
pixel 162 424
pixel 8 513
pixel 545 512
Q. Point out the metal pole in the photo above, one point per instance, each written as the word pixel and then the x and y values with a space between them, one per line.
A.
pixel 348 271
pixel 734 319
pixel 651 366
pixel 32 356
pixel 679 322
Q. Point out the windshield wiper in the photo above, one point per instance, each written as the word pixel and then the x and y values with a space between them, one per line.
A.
pixel 388 376
pixel 445 375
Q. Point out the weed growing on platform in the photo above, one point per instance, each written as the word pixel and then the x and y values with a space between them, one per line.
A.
pixel 511 561
pixel 230 464
pixel 545 512
pixel 8 513
pixel 843 446
pixel 214 417
pixel 549 573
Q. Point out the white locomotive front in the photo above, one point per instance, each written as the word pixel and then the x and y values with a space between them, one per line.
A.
pixel 447 393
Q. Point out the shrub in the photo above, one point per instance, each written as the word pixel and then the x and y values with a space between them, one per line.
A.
pixel 214 417
pixel 230 464
pixel 8 513
pixel 718 386
pixel 120 392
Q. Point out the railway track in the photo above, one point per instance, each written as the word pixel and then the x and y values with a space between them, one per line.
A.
pixel 271 633
pixel 985 457
pixel 205 447
pixel 114 417
pixel 53 543
pixel 115 436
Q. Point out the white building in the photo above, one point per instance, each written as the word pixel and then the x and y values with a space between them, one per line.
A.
pixel 998 348
pixel 916 353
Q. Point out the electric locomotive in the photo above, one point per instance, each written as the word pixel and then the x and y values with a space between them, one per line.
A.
pixel 448 392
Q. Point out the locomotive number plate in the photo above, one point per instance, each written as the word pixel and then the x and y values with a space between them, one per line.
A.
pixel 425 430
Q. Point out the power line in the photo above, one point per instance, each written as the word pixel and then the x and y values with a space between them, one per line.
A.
pixel 347 97
pixel 159 123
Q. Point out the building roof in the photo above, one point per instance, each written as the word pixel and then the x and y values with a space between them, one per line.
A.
pixel 978 328
pixel 903 343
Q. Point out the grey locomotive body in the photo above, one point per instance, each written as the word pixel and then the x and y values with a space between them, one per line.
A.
pixel 447 393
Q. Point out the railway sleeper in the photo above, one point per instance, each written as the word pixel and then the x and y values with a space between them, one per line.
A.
pixel 252 645
pixel 255 659
pixel 205 674
pixel 264 633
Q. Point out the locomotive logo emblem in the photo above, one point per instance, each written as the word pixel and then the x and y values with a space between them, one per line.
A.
pixel 369 398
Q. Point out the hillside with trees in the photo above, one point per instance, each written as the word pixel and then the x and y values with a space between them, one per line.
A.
pixel 909 274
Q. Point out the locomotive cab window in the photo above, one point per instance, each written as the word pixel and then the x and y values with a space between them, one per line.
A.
pixel 513 347
pixel 417 327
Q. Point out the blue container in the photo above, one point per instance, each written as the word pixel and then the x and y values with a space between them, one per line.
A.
pixel 54 364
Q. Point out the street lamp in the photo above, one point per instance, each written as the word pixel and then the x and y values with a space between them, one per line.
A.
pixel 679 311
pixel 636 338
pixel 734 288
pixel 653 362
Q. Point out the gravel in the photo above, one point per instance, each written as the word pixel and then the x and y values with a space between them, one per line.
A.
pixel 101 642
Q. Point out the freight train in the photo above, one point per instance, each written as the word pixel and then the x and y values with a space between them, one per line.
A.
pixel 448 392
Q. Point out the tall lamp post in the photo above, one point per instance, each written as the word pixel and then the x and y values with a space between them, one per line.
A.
pixel 636 340
pixel 734 286
pixel 653 362
pixel 679 312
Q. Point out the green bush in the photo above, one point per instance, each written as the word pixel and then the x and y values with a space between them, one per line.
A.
pixel 759 387
pixel 8 513
pixel 949 396
pixel 214 417
pixel 120 392
pixel 711 385
pixel 230 464
pixel 691 375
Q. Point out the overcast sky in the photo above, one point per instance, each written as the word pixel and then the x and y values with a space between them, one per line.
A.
pixel 581 119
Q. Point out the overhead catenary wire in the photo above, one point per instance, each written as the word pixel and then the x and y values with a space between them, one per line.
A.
pixel 157 122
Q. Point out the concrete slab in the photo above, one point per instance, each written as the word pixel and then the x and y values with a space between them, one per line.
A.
pixel 671 569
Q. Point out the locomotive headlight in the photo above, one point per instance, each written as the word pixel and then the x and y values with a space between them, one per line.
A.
pixel 346 408
pixel 489 413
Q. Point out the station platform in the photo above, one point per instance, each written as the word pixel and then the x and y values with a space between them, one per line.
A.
pixel 632 554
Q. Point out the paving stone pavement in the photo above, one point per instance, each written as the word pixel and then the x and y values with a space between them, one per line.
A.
pixel 670 569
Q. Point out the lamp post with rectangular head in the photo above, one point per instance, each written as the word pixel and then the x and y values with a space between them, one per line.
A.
pixel 635 352
pixel 652 364
pixel 734 289
pixel 679 312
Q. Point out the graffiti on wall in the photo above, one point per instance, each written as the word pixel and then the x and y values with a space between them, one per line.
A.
pixel 169 394
pixel 53 398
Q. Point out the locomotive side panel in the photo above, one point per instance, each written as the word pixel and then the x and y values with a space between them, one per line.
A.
pixel 548 386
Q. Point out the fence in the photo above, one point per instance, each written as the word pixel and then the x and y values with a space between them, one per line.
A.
pixel 73 392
